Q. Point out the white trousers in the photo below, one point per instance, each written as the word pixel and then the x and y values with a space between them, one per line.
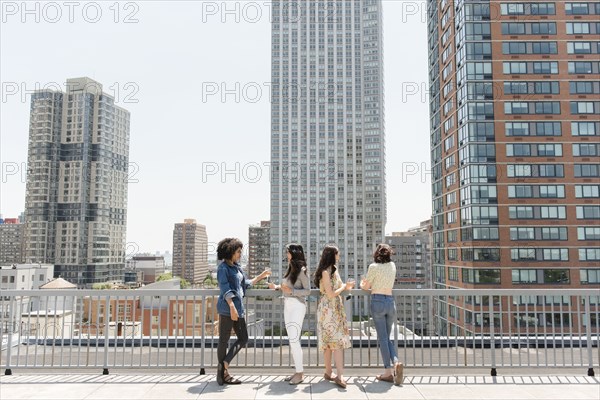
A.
pixel 293 313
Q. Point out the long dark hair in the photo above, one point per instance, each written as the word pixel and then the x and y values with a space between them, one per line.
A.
pixel 296 263
pixel 327 260
pixel 383 254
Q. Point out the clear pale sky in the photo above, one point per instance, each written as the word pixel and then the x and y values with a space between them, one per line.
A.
pixel 168 63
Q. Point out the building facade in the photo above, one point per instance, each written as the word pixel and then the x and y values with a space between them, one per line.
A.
pixel 413 271
pixel 151 267
pixel 514 144
pixel 327 131
pixel 21 277
pixel 76 195
pixel 259 248
pixel 190 251
pixel 11 241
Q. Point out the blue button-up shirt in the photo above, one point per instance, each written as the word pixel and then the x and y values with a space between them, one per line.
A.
pixel 233 284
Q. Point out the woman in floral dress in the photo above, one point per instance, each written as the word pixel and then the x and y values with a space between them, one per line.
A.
pixel 332 327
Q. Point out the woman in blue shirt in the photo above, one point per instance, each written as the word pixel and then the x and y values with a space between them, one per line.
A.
pixel 233 284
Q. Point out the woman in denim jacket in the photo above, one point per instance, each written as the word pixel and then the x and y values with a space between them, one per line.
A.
pixel 233 284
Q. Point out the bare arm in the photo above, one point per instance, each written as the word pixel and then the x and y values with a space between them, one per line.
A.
pixel 326 279
pixel 259 278
pixel 365 284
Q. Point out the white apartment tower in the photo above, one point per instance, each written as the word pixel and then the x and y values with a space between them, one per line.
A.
pixel 327 130
pixel 76 199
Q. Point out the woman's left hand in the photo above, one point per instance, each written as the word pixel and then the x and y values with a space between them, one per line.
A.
pixel 286 289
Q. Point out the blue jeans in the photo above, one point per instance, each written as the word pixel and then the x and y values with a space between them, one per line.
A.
pixel 383 310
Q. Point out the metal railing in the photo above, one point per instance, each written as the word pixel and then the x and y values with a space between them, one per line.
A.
pixel 160 329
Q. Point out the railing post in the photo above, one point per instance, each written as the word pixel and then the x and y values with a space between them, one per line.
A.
pixel 203 307
pixel 588 334
pixel 492 333
pixel 10 325
pixel 107 316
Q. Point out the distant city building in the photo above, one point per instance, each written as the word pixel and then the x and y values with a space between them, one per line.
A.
pixel 212 261
pixel 258 248
pixel 424 226
pixel 168 257
pixel 76 197
pixel 151 267
pixel 190 251
pixel 21 277
pixel 413 271
pixel 11 241
pixel 25 276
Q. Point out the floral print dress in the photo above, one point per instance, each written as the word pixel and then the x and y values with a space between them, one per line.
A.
pixel 332 326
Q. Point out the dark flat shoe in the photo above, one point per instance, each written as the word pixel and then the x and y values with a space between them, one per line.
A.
pixel 230 380
pixel 385 378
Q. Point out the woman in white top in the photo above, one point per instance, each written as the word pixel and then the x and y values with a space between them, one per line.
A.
pixel 295 287
pixel 380 281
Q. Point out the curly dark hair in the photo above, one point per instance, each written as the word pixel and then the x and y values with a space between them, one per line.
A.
pixel 383 253
pixel 327 260
pixel 296 263
pixel 227 248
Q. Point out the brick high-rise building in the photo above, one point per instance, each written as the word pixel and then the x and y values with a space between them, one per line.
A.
pixel 11 241
pixel 190 251
pixel 515 104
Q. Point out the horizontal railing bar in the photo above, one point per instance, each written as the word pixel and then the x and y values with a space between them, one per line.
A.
pixel 256 341
pixel 271 293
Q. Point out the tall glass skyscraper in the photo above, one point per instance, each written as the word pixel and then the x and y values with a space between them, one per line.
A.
pixel 514 139
pixel 327 130
pixel 76 199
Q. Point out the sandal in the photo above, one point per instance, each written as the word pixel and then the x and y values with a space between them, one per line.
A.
pixel 399 369
pixel 289 378
pixel 389 378
pixel 297 379
pixel 340 382
pixel 230 380
pixel 328 377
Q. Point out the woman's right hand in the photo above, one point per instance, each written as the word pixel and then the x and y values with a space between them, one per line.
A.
pixel 349 285
pixel 234 314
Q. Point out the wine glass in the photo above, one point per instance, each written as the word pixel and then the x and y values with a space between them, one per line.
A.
pixel 350 280
pixel 268 269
